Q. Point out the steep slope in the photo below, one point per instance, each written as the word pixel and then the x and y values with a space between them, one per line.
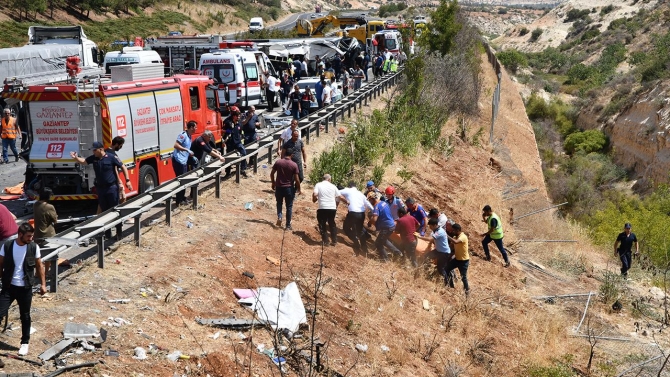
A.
pixel 555 29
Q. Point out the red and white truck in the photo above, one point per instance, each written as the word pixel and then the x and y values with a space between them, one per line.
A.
pixel 147 113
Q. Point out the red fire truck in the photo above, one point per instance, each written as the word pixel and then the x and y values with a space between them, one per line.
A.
pixel 147 113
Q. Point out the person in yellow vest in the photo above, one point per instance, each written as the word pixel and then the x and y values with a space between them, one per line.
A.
pixel 394 64
pixel 387 64
pixel 10 131
pixel 495 234
pixel 461 258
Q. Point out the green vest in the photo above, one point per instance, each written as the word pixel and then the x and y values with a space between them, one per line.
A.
pixel 497 233
pixel 394 66
pixel 387 64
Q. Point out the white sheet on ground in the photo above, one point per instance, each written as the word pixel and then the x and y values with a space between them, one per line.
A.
pixel 282 309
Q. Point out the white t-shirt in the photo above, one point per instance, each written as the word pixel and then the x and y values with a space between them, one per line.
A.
pixel 357 200
pixel 272 83
pixel 19 253
pixel 288 133
pixel 325 97
pixel 326 194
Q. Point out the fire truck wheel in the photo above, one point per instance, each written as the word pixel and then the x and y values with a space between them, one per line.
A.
pixel 148 178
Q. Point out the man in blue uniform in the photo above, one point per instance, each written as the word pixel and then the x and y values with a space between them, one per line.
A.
pixel 107 180
pixel 233 130
pixel 182 153
pixel 382 219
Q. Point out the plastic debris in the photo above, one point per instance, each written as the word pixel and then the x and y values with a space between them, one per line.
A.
pixel 215 335
pixel 174 356
pixel 248 206
pixel 228 244
pixel 426 305
pixel 362 348
pixel 189 224
pixel 140 353
pixel 385 349
pixel 241 336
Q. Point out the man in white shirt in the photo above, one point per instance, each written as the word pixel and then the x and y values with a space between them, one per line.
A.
pixel 353 223
pixel 271 83
pixel 326 95
pixel 328 196
pixel 21 268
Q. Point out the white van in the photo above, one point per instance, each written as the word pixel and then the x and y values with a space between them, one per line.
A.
pixel 256 24
pixel 238 73
pixel 130 55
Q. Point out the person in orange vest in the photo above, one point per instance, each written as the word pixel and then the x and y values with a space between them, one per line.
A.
pixel 10 131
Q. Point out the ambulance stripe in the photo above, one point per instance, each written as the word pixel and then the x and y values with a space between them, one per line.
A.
pixel 106 123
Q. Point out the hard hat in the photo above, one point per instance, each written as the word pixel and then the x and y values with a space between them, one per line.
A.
pixel 389 190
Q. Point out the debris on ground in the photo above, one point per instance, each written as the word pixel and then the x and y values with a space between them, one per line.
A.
pixel 362 348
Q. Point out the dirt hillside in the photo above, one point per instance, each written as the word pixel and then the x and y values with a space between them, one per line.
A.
pixel 411 323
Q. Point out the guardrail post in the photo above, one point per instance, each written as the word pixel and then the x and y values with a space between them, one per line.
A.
pixel 101 252
pixel 318 128
pixel 136 227
pixel 270 154
pixel 53 272
pixel 335 120
pixel 348 109
pixel 217 186
pixel 255 158
pixel 194 196
pixel 365 98
pixel 360 103
pixel 237 173
pixel 168 211
pixel 342 113
pixel 308 132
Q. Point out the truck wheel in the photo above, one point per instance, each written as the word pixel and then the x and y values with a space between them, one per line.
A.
pixel 148 178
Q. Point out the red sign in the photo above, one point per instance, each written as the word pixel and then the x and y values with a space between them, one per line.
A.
pixel 121 125
pixel 55 150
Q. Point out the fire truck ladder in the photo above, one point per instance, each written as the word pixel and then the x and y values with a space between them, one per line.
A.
pixel 88 114
pixel 50 77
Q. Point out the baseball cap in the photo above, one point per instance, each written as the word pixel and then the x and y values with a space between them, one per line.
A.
pixel 97 145
pixel 234 109
pixel 370 183
pixel 627 226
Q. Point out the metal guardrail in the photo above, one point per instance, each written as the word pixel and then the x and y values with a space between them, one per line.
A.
pixel 140 204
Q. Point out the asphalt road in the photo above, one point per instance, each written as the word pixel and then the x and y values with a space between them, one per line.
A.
pixel 286 24
pixel 11 174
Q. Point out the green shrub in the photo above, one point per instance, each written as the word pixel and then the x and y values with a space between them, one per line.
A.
pixel 588 142
pixel 535 35
pixel 512 59
pixel 524 31
pixel 606 10
pixel 560 368
pixel 576 14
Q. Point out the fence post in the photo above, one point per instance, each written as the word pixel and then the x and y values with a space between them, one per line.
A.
pixel 137 229
pixel 255 157
pixel 237 173
pixel 335 120
pixel 168 211
pixel 309 131
pixel 217 187
pixel 101 251
pixel 318 128
pixel 270 153
pixel 53 283
pixel 194 196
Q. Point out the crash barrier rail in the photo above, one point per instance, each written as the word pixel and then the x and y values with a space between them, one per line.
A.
pixel 495 103
pixel 134 208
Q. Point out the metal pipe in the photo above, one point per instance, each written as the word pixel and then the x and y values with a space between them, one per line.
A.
pixel 538 211
pixel 586 308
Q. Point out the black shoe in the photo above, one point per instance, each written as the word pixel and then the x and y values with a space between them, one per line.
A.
pixel 333 243
pixel 288 228
pixel 16 158
pixel 244 174
pixel 507 264
pixel 488 258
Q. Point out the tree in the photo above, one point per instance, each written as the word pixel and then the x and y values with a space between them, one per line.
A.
pixel 587 142
pixel 535 35
pixel 513 60
pixel 443 27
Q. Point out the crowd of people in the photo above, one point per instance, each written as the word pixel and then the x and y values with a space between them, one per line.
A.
pixel 335 80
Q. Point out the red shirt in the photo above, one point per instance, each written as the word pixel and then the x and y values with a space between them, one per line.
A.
pixel 286 170
pixel 8 225
pixel 406 226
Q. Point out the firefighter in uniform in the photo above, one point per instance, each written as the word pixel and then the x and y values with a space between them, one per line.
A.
pixel 107 179
pixel 10 131
pixel 233 131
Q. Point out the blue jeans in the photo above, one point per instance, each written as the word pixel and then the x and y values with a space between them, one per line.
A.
pixel 179 169
pixel 626 260
pixel 499 245
pixel 383 241
pixel 285 194
pixel 462 266
pixel 9 143
pixel 295 113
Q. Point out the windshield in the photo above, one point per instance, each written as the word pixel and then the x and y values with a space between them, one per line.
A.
pixel 212 103
pixel 255 24
pixel 391 44
pixel 222 73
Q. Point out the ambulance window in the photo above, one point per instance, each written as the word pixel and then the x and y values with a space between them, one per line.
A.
pixel 195 97
pixel 252 71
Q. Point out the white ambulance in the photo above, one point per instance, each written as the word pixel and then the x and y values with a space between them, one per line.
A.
pixel 239 75
pixel 130 55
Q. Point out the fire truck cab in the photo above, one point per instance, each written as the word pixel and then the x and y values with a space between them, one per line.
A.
pixel 149 114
